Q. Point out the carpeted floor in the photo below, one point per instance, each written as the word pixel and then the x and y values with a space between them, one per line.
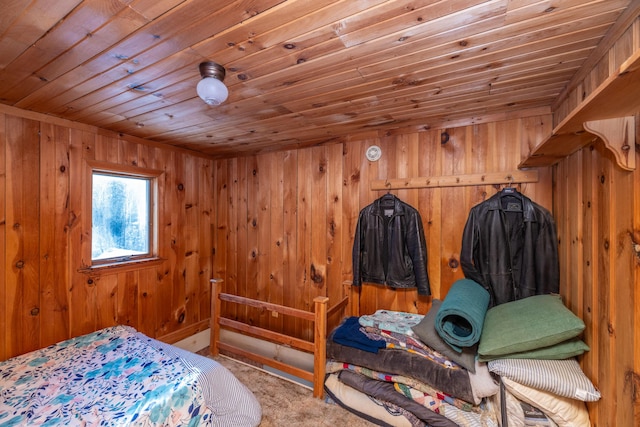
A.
pixel 287 403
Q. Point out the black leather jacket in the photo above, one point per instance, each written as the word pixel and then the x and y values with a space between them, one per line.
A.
pixel 389 246
pixel 510 246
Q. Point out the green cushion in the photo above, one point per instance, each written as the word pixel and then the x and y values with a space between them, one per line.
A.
pixel 527 324
pixel 563 350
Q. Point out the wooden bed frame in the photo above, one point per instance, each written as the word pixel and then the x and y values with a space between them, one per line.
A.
pixel 317 347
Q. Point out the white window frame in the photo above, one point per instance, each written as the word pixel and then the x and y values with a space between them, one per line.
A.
pixel 153 176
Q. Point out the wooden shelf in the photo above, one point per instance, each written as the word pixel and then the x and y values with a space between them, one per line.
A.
pixel 617 97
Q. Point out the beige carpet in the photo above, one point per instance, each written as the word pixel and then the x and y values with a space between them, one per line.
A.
pixel 287 403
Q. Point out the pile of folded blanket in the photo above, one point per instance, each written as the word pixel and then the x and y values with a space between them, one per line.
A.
pixel 447 367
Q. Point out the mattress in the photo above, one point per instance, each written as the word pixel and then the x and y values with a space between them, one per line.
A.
pixel 119 377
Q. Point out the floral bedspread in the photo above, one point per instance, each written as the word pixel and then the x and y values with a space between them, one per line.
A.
pixel 107 378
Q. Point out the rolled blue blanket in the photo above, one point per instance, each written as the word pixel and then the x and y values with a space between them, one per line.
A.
pixel 460 318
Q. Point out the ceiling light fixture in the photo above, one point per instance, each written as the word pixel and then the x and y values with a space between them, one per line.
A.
pixel 210 88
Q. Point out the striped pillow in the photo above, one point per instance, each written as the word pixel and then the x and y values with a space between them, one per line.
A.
pixel 560 377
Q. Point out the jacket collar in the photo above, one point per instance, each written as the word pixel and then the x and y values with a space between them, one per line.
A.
pixel 388 201
pixel 528 208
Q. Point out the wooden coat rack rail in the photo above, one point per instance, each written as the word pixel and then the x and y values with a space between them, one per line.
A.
pixel 514 177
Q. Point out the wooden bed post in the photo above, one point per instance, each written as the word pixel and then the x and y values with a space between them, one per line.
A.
pixel 320 345
pixel 353 293
pixel 216 306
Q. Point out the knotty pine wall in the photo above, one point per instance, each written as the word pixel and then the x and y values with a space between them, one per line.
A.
pixel 44 297
pixel 597 210
pixel 286 220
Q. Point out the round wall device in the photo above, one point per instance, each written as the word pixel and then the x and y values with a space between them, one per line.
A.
pixel 373 153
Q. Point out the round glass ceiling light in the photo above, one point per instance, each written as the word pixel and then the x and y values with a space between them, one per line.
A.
pixel 212 91
pixel 210 88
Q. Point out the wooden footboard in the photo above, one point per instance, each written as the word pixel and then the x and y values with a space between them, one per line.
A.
pixel 317 347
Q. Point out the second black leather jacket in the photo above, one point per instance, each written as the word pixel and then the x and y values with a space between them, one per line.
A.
pixel 389 246
pixel 510 246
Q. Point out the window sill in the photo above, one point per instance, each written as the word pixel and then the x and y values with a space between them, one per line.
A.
pixel 121 266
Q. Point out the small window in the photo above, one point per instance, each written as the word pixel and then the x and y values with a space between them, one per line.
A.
pixel 122 217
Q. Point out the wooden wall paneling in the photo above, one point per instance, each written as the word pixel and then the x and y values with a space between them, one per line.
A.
pixel 54 245
pixel 252 271
pixel 319 225
pixel 361 177
pixel 150 279
pixel 222 205
pixel 573 237
pixel 353 155
pixel 262 215
pixel 148 283
pixel 635 274
pixel 160 298
pixel 128 152
pixel 4 301
pixel 179 238
pixel 408 166
pixel 106 149
pixel 206 199
pixel 453 202
pixel 351 150
pixel 82 292
pixel 622 290
pixel 108 300
pixel 336 258
pixel 431 210
pixel 276 242
pixel 561 208
pixel 222 249
pixel 230 239
pixel 127 298
pixel 290 239
pixel 533 130
pixel 301 288
pixel 242 214
pixel 164 293
pixel 589 361
pixel 606 342
pixel 190 233
pixel 144 157
pixel 483 148
pixel 22 241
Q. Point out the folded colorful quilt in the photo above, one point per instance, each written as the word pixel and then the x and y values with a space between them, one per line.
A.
pixel 119 377
pixel 460 319
pixel 485 414
pixel 461 413
pixel 386 392
pixel 441 397
pixel 376 411
pixel 398 341
pixel 395 321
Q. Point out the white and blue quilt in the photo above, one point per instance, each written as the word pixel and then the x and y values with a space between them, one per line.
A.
pixel 120 377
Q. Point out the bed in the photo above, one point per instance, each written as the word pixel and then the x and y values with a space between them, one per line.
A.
pixel 118 376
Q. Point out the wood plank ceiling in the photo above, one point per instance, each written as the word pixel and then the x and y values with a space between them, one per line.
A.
pixel 299 72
